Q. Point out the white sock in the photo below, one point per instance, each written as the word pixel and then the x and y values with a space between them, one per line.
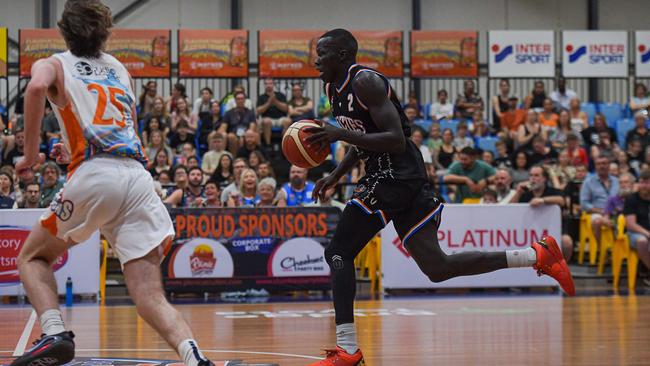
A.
pixel 52 322
pixel 190 353
pixel 346 337
pixel 521 258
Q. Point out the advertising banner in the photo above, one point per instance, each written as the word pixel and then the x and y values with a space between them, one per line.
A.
pixel 3 52
pixel 594 54
pixel 80 263
pixel 521 54
pixel 213 53
pixel 144 52
pixel 642 53
pixel 444 54
pixel 381 50
pixel 36 44
pixel 471 228
pixel 230 249
pixel 288 53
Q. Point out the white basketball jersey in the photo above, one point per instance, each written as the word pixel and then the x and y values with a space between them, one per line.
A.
pixel 99 117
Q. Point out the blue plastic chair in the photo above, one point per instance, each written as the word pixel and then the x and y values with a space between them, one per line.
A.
pixel 427 111
pixel 590 109
pixel 451 124
pixel 622 128
pixel 487 143
pixel 423 124
pixel 612 112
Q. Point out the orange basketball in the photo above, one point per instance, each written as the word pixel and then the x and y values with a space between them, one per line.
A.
pixel 295 147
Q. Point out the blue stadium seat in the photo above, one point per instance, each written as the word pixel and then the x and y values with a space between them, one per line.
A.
pixel 612 112
pixel 627 111
pixel 427 111
pixel 451 124
pixel 622 128
pixel 423 124
pixel 487 143
pixel 590 109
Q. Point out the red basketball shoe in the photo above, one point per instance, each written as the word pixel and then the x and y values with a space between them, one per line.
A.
pixel 551 262
pixel 338 357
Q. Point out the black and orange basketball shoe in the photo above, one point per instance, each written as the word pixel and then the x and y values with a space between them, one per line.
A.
pixel 551 262
pixel 338 357
pixel 49 350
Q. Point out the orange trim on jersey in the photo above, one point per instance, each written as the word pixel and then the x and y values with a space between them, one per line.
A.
pixel 49 224
pixel 347 79
pixel 75 138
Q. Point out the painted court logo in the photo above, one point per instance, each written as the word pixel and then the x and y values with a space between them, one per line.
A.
pixel 598 53
pixel 523 53
pixel 645 53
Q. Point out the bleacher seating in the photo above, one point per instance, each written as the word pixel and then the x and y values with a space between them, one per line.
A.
pixel 623 126
pixel 590 109
pixel 612 112
pixel 487 143
pixel 451 124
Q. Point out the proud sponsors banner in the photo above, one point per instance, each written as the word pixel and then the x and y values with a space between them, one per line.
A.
pixel 521 54
pixel 36 44
pixel 594 54
pixel 228 249
pixel 288 53
pixel 469 228
pixel 80 263
pixel 642 53
pixel 3 52
pixel 213 53
pixel 444 54
pixel 144 52
pixel 382 51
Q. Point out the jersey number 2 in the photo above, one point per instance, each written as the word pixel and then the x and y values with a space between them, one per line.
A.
pixel 350 100
pixel 102 99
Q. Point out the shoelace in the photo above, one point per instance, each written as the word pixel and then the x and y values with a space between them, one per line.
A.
pixel 329 352
pixel 38 340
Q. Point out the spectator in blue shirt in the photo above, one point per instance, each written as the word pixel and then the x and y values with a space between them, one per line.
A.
pixel 594 193
pixel 298 191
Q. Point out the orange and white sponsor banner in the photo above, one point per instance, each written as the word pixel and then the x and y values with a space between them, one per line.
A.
pixel 213 53
pixel 288 53
pixel 382 51
pixel 80 263
pixel 487 228
pixel 444 53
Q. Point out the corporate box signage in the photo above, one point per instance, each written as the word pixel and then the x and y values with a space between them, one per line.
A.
pixel 642 53
pixel 594 54
pixel 521 54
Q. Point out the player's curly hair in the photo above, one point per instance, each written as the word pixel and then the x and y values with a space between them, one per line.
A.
pixel 85 26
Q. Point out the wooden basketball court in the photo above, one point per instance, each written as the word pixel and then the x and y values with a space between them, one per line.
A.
pixel 523 330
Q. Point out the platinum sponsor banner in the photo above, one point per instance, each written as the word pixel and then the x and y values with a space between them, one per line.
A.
pixel 521 54
pixel 642 53
pixel 80 263
pixel 475 227
pixel 594 54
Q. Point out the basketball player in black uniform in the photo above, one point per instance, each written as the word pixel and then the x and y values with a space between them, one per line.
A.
pixel 395 188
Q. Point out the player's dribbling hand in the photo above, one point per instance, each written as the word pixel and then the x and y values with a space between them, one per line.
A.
pixel 322 187
pixel 322 136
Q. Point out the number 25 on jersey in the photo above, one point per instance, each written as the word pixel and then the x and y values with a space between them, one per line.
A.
pixel 103 99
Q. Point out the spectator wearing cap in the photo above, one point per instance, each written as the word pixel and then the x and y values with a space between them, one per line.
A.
pixel 639 132
pixel 471 175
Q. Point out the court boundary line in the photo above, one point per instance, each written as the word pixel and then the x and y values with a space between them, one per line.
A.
pixel 24 337
pixel 203 350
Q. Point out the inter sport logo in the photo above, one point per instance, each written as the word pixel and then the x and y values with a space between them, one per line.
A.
pixel 575 53
pixel 645 53
pixel 501 55
pixel 523 53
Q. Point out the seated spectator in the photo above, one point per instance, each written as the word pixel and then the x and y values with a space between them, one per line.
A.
pixel 480 126
pixel 193 194
pixel 32 196
pixel 414 103
pixel 251 143
pixel 411 116
pixel 11 156
pixel 297 192
pixel 51 183
pixel 591 134
pixel 559 135
pixel 547 117
pixel 500 103
pixel 228 102
pixel 165 178
pixel 266 193
pixel 192 161
pixel 217 146
pixel 202 106
pixel 417 138
pixel 615 204
pixel 446 153
pixel 147 97
pixel 640 100
pixel 324 108
pixel 562 172
pixel 613 169
pixel 239 165
pixel 178 91
pixel 471 175
pixel 623 165
pixel 635 155
pixel 160 113
pixel 255 159
pixel 181 137
pixel 462 139
pixel 520 170
pixel 488 157
pixel 535 100
pixel 265 170
pixel 272 108
pixel 210 123
pixel 541 154
pixel 537 192
pixel 512 118
pixel 246 195
pixel 160 163
pixel 300 106
pixel 442 109
pixel 153 124
pixel 503 186
pixel 604 147
pixel 594 193
pixel 562 96
pixel 51 129
pixel 237 121
pixel 182 117
pixel 434 140
pixel 577 154
pixel 639 132
pixel 179 172
pixel 212 193
pixel 529 130
pixel 223 174
pixel 187 150
pixel 156 143
pixel 503 158
pixel 468 102
pixel 7 191
pixel 637 220
pixel 579 119
pixel 489 196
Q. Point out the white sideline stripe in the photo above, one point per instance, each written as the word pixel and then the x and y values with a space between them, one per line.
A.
pixel 22 342
pixel 203 350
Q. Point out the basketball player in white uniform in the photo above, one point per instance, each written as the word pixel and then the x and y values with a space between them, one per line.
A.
pixel 107 186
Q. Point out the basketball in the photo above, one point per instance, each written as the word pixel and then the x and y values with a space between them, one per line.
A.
pixel 295 147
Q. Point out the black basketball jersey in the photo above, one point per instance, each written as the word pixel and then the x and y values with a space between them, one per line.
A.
pixel 352 114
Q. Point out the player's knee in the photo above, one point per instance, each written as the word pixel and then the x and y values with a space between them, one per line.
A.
pixel 436 275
